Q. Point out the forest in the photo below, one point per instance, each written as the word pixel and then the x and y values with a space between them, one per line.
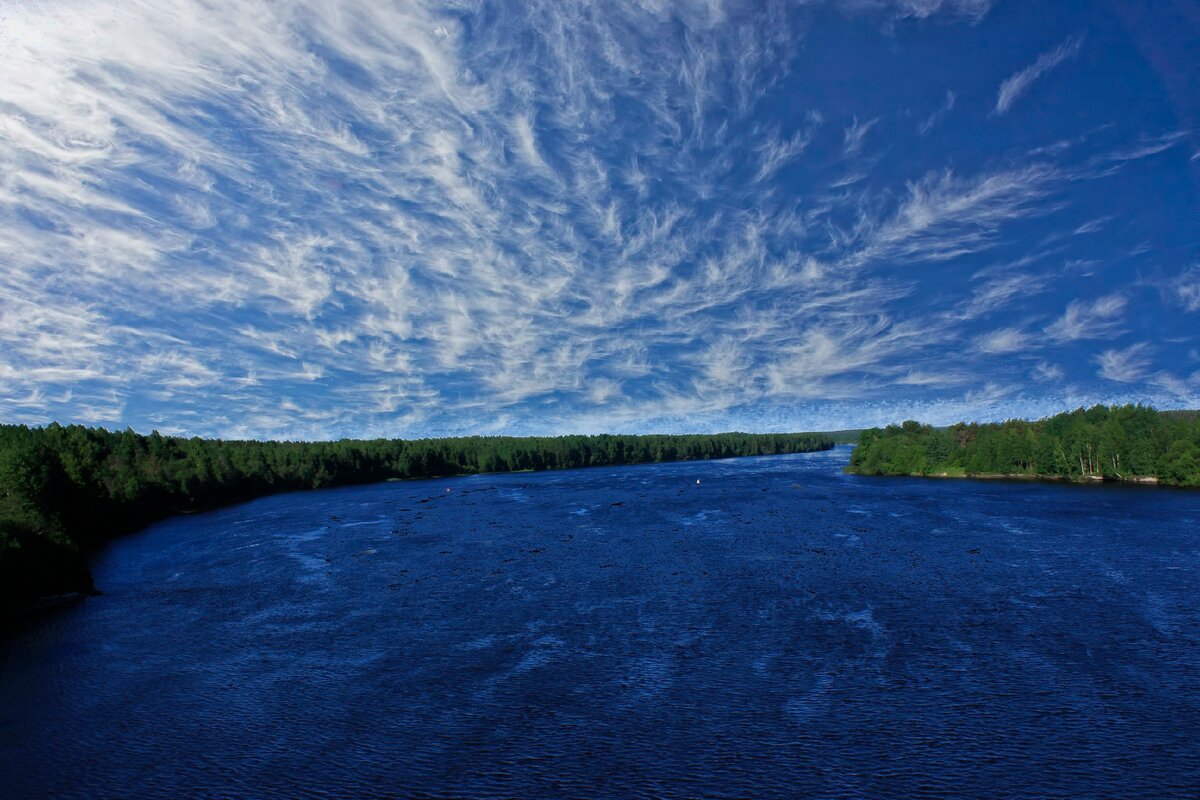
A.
pixel 1119 443
pixel 64 490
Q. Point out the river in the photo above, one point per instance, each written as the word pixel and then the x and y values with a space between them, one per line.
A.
pixel 759 627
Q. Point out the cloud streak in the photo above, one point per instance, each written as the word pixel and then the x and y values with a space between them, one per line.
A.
pixel 1016 85
pixel 1083 319
pixel 935 119
pixel 1128 365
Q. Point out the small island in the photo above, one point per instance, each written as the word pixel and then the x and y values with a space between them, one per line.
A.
pixel 1130 443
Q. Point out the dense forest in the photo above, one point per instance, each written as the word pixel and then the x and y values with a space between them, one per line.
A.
pixel 1119 443
pixel 66 489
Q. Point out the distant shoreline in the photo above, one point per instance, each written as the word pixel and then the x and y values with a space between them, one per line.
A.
pixel 1133 445
pixel 1016 477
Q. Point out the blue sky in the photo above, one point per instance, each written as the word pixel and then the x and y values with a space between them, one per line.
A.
pixel 304 219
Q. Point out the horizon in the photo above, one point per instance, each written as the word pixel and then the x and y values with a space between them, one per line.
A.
pixel 288 222
pixel 779 432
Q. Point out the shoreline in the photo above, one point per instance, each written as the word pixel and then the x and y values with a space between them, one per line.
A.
pixel 1089 480
pixel 62 592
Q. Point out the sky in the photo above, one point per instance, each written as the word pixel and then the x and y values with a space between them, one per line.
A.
pixel 310 220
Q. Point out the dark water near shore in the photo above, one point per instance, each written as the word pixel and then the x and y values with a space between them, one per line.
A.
pixel 777 630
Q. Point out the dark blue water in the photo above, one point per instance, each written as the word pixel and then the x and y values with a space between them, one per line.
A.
pixel 776 630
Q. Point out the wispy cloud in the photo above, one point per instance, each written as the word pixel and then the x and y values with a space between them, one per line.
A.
pixel 1045 371
pixel 1006 340
pixel 1129 365
pixel 852 143
pixel 935 119
pixel 1083 319
pixel 1092 226
pixel 973 10
pixel 1019 83
pixel 776 152
pixel 1186 289
pixel 944 216
pixel 1149 147
pixel 294 219
pixel 997 293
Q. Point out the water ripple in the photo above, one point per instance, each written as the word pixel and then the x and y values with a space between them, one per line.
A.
pixel 779 630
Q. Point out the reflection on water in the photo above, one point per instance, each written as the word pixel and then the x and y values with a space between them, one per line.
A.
pixel 777 630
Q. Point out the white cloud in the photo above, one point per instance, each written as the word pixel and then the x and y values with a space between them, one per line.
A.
pixel 989 395
pixel 935 119
pixel 1092 226
pixel 973 10
pixel 945 216
pixel 526 141
pixel 1045 371
pixel 1149 147
pixel 1006 340
pixel 304 219
pixel 1129 365
pixel 1186 389
pixel 1186 289
pixel 1096 319
pixel 1018 84
pixel 852 143
pixel 777 153
pixel 998 293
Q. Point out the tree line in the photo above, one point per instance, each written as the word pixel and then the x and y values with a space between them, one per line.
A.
pixel 1119 443
pixel 66 489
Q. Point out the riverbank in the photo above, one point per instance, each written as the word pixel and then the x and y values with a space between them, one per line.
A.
pixel 1086 480
pixel 67 490
pixel 1134 445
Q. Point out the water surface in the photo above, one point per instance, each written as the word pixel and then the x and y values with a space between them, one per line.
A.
pixel 762 627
